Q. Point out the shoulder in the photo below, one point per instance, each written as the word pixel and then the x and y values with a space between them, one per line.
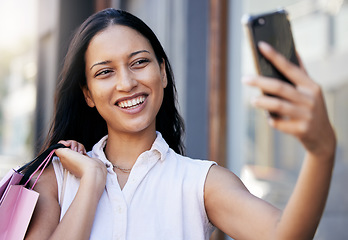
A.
pixel 219 177
pixel 187 162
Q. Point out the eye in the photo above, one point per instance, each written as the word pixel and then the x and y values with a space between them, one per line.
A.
pixel 140 63
pixel 103 73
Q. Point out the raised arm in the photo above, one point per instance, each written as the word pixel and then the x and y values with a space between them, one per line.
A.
pixel 242 216
pixel 78 220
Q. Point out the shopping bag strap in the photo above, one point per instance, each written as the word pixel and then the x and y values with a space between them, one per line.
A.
pixel 32 167
pixel 44 162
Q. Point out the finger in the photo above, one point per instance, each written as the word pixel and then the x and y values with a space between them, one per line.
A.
pixel 278 88
pixel 81 148
pixel 65 143
pixel 73 145
pixel 294 73
pixel 300 62
pixel 281 107
pixel 294 127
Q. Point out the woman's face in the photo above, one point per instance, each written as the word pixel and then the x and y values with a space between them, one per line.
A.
pixel 125 82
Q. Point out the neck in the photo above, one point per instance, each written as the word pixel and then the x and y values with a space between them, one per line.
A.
pixel 123 149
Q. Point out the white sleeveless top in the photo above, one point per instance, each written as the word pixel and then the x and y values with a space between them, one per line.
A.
pixel 163 198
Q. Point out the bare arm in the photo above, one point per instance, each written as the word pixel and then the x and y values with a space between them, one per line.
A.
pixel 235 211
pixel 78 220
pixel 243 216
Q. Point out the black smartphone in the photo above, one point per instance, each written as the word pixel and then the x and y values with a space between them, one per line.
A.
pixel 273 28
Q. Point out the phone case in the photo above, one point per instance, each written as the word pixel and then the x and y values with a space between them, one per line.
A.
pixel 273 28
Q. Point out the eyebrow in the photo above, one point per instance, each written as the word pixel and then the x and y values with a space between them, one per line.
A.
pixel 137 52
pixel 130 55
pixel 100 63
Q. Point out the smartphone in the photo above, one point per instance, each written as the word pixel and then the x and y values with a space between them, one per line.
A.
pixel 273 28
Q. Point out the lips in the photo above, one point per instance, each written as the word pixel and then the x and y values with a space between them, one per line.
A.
pixel 132 102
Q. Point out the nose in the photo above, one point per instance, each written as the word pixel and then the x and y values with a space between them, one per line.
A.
pixel 125 80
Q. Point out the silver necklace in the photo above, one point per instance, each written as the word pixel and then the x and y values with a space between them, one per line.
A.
pixel 124 170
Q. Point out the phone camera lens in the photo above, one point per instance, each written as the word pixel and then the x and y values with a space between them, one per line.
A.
pixel 261 21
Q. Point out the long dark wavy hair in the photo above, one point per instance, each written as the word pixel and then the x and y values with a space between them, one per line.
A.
pixel 74 119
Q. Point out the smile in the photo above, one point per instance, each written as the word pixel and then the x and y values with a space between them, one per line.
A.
pixel 131 103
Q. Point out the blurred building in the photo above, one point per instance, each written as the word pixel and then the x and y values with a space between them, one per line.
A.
pixel 209 53
pixel 18 71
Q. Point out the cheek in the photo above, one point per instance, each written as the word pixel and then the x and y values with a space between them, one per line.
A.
pixel 99 91
pixel 158 88
pixel 160 95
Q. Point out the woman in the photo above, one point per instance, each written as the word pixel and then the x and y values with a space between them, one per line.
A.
pixel 117 86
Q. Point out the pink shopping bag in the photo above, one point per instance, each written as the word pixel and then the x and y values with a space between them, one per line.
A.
pixel 17 202
pixel 11 178
pixel 16 211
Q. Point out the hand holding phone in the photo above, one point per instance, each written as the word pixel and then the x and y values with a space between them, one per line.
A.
pixel 273 28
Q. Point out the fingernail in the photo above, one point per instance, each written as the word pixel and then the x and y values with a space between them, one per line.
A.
pixel 265 46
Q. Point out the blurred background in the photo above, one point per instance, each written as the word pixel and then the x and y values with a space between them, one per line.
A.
pixel 205 42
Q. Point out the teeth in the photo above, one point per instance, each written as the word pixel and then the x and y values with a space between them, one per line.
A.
pixel 132 102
